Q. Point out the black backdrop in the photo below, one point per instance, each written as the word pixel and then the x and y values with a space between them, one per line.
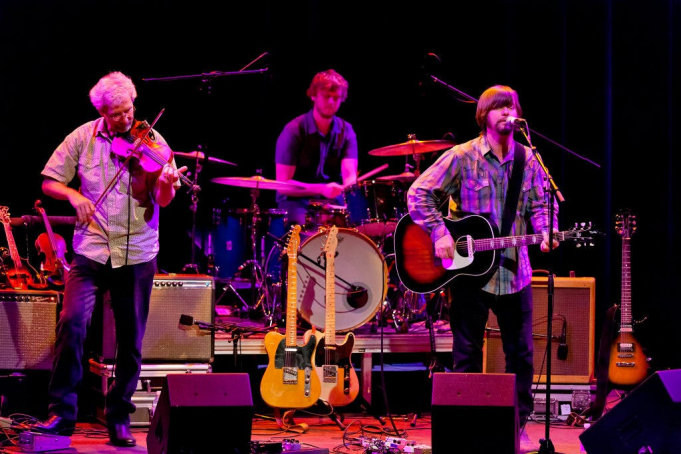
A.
pixel 598 78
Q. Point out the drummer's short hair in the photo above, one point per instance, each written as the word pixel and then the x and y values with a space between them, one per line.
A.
pixel 493 98
pixel 112 89
pixel 328 80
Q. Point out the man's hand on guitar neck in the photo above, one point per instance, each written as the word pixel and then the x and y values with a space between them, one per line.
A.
pixel 545 244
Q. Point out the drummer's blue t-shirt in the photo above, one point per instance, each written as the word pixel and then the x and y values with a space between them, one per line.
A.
pixel 317 157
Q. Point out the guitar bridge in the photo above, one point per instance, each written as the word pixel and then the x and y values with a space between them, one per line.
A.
pixel 330 374
pixel 290 375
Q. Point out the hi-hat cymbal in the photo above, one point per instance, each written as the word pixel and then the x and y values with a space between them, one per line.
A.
pixel 413 147
pixel 257 182
pixel 202 157
pixel 406 177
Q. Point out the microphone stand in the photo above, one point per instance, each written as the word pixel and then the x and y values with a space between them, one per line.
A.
pixel 545 444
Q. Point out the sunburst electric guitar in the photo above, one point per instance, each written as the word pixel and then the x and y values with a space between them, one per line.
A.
pixel 338 377
pixel 628 364
pixel 290 380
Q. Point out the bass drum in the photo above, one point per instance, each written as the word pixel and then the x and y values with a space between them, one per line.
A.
pixel 361 280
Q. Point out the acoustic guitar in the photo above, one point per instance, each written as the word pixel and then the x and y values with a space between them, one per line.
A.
pixel 18 276
pixel 476 246
pixel 290 380
pixel 333 363
pixel 628 364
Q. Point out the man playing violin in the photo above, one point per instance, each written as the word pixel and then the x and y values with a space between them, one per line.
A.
pixel 115 244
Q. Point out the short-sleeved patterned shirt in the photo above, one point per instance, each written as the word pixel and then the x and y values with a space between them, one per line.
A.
pixel 125 224
pixel 472 176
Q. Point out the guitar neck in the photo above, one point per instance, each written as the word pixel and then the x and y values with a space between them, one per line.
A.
pixel 488 244
pixel 625 306
pixel 14 252
pixel 330 324
pixel 291 307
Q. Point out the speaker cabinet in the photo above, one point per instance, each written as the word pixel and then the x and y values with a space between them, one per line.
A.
pixel 647 420
pixel 461 401
pixel 574 308
pixel 202 413
pixel 28 320
pixel 173 295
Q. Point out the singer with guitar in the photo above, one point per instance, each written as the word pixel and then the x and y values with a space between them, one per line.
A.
pixel 500 179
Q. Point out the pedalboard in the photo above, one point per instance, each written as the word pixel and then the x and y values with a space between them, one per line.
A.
pixel 37 442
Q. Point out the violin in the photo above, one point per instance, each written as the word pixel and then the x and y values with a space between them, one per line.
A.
pixel 152 155
pixel 53 248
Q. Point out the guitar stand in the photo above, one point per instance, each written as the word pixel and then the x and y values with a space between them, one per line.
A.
pixel 285 421
pixel 332 415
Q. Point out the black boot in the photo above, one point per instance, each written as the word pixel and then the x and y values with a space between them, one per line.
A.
pixel 120 435
pixel 55 425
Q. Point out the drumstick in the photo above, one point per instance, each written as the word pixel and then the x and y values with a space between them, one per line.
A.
pixel 373 172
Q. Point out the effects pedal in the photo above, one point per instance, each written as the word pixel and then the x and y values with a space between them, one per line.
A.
pixel 36 442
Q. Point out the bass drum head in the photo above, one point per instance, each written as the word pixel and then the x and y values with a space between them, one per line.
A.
pixel 361 280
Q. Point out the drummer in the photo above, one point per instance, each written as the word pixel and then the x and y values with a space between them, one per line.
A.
pixel 317 150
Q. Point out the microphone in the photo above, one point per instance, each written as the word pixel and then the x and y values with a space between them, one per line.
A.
pixel 186 322
pixel 562 352
pixel 516 122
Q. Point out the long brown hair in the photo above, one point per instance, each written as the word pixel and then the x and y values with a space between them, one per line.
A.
pixel 494 98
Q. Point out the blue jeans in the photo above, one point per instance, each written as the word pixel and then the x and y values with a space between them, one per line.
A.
pixel 130 290
pixel 468 313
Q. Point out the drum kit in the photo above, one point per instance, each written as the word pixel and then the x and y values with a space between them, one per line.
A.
pixel 362 265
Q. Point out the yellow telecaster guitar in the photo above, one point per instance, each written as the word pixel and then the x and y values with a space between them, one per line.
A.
pixel 290 380
pixel 334 367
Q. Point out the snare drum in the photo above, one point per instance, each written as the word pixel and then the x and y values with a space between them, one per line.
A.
pixel 374 207
pixel 320 215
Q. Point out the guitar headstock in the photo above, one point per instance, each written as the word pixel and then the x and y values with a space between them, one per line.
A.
pixel 293 242
pixel 4 215
pixel 331 242
pixel 625 223
pixel 583 233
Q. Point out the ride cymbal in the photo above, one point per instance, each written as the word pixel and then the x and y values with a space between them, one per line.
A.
pixel 413 147
pixel 257 182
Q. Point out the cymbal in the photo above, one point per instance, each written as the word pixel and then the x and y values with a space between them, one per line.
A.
pixel 406 177
pixel 202 157
pixel 413 147
pixel 256 181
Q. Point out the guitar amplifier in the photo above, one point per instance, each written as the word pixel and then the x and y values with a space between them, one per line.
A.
pixel 574 309
pixel 172 295
pixel 28 321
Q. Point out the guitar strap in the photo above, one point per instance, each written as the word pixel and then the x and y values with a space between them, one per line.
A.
pixel 513 190
pixel 511 203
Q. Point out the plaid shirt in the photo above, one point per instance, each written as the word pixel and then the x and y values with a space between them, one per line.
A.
pixel 87 152
pixel 474 180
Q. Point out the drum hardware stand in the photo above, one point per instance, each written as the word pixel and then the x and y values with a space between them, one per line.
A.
pixel 192 267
